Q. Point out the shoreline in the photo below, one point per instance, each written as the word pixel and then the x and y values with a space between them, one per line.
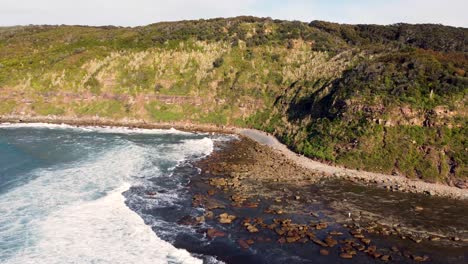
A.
pixel 128 123
pixel 263 201
pixel 389 182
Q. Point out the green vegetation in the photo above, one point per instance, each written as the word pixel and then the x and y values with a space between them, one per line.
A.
pixel 108 108
pixel 46 108
pixel 382 98
pixel 7 106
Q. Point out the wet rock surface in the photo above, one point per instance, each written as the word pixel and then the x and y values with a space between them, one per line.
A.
pixel 262 208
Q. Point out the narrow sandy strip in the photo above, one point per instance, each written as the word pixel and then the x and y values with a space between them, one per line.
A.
pixel 396 182
pixel 392 182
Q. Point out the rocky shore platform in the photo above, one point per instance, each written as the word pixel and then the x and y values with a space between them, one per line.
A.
pixel 274 211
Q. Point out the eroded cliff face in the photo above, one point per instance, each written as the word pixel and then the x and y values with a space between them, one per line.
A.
pixel 164 84
pixel 403 113
pixel 389 99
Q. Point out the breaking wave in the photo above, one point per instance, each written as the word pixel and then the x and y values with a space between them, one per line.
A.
pixel 75 212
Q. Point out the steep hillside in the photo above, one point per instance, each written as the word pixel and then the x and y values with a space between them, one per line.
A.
pixel 381 98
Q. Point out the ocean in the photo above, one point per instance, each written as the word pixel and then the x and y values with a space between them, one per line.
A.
pixel 96 195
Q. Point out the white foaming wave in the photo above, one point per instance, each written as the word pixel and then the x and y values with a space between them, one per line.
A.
pixel 96 129
pixel 225 137
pixel 38 125
pixel 54 189
pixel 76 181
pixel 197 147
pixel 213 260
pixel 69 236
pixel 190 148
pixel 43 216
pixel 127 130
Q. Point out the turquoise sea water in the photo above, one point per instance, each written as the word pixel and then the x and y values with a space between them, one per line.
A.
pixel 62 192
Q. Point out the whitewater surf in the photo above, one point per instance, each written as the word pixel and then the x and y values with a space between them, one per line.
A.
pixel 66 193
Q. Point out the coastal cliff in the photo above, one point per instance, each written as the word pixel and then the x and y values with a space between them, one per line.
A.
pixel 388 99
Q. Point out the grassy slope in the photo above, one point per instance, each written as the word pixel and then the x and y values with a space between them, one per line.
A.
pixel 389 99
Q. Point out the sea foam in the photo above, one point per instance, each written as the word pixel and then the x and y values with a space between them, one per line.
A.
pixel 99 231
pixel 76 213
pixel 96 129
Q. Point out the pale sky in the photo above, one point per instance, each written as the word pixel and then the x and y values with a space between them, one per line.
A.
pixel 143 12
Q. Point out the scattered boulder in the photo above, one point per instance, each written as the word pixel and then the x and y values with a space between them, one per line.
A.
pixel 415 239
pixel 209 215
pixel 321 225
pixel 360 236
pixel 280 231
pixel 225 218
pixel 330 241
pixel 335 233
pixel 251 228
pixel 366 241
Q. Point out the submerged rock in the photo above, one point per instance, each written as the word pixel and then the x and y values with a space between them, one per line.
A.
pixel 243 244
pixel 346 255
pixel 188 220
pixel 213 233
pixel 420 258
pixel 324 252
pixel 319 242
pixel 293 239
